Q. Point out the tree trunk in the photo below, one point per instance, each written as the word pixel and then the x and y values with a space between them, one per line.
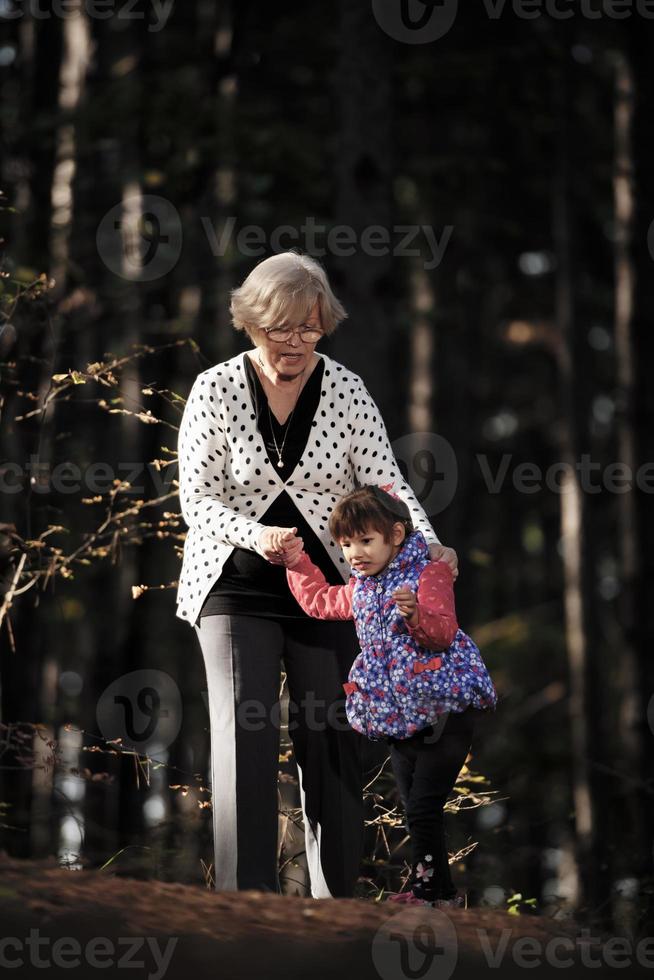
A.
pixel 641 54
pixel 584 702
pixel 363 193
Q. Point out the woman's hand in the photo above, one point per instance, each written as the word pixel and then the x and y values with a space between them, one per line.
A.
pixel 280 544
pixel 407 605
pixel 439 552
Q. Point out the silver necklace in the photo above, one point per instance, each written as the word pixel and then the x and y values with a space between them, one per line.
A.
pixel 280 461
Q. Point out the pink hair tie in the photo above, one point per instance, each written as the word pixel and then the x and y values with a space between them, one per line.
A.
pixel 386 487
pixel 395 504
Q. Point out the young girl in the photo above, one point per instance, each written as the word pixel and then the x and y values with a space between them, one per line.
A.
pixel 398 688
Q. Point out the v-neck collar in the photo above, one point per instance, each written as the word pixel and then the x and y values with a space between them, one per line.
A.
pixel 260 388
pixel 271 468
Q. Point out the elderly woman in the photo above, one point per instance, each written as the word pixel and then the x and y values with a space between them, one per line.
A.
pixel 268 442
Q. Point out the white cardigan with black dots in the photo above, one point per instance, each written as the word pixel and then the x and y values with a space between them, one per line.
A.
pixel 227 482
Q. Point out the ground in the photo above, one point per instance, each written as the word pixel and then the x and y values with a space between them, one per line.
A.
pixel 107 923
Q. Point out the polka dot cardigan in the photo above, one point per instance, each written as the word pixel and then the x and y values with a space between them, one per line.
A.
pixel 227 482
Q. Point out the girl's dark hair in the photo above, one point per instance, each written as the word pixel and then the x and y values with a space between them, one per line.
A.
pixel 369 508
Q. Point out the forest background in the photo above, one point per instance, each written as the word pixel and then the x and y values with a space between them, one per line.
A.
pixel 479 186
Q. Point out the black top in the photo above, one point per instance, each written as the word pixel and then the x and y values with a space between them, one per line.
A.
pixel 248 584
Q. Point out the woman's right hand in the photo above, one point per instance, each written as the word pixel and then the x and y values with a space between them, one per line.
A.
pixel 280 544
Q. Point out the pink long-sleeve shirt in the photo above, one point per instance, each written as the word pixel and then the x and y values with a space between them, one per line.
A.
pixel 437 623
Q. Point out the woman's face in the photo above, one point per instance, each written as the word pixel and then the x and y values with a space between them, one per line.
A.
pixel 290 358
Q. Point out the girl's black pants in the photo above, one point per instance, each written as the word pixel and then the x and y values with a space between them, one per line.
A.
pixel 426 768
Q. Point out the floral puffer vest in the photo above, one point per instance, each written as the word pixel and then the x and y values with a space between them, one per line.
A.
pixel 395 686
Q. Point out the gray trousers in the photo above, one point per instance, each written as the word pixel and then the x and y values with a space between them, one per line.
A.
pixel 243 657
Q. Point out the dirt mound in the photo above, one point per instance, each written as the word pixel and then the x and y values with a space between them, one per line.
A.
pixel 78 922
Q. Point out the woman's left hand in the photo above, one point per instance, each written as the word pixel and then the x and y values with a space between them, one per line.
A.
pixel 439 552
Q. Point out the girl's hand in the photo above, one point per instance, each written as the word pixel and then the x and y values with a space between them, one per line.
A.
pixel 275 541
pixel 407 605
pixel 294 553
pixel 439 552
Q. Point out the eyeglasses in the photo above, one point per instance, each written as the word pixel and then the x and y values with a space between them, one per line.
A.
pixel 280 335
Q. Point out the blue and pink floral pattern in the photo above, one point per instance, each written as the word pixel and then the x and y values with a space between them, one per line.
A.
pixel 395 686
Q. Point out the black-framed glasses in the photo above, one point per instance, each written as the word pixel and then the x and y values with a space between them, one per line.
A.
pixel 279 335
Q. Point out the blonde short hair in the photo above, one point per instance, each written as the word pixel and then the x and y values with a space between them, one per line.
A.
pixel 282 290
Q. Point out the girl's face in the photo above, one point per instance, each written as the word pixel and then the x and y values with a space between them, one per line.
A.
pixel 369 553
